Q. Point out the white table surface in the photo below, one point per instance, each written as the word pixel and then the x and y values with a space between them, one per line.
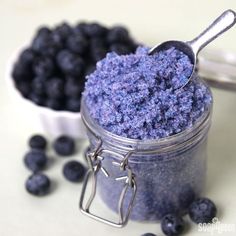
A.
pixel 151 22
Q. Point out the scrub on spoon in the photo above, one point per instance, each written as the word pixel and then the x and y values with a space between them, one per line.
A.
pixel 191 48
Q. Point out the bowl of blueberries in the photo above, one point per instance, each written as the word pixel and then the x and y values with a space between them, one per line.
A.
pixel 47 77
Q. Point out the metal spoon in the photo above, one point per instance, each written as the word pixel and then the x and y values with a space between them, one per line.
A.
pixel 191 48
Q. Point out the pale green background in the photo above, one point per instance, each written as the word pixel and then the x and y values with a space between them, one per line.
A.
pixel 151 22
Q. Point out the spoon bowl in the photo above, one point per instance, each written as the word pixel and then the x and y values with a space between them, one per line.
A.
pixel 191 48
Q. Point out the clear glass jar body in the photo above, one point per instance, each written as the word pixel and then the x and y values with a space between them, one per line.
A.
pixel 170 173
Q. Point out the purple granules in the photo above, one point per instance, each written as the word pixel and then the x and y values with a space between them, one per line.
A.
pixel 163 187
pixel 135 95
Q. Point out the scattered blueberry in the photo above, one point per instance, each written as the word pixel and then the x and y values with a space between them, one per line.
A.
pixel 172 225
pixel 203 210
pixel 74 171
pixel 38 142
pixel 35 160
pixel 65 52
pixel 64 146
pixel 38 184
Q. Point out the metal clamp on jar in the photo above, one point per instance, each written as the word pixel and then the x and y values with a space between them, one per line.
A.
pixel 95 159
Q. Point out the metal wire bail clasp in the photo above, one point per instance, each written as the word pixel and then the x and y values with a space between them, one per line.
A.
pixel 95 165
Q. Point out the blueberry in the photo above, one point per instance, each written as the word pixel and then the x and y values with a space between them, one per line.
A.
pixel 38 142
pixel 98 54
pixel 203 210
pixel 38 85
pixel 38 184
pixel 80 29
pixel 118 34
pixel 35 160
pixel 64 146
pixel 64 30
pixel 27 56
pixel 21 71
pixel 97 42
pixel 70 63
pixel 44 30
pixel 74 171
pixel 43 45
pixel 57 40
pixel 60 58
pixel 73 104
pixel 73 88
pixel 77 43
pixel 55 104
pixel 47 43
pixel 172 225
pixel 43 67
pixel 55 88
pixel 90 69
pixel 24 87
pixel 95 30
pixel 120 48
pixel 148 234
pixel 37 99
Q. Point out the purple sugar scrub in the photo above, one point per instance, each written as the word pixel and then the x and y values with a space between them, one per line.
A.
pixel 130 103
pixel 133 96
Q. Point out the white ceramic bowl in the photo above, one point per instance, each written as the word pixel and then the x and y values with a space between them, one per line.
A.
pixel 54 123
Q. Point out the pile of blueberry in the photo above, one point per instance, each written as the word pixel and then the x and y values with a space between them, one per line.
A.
pixel 36 161
pixel 51 71
pixel 202 210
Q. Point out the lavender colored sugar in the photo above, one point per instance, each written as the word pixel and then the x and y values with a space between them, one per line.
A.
pixel 135 96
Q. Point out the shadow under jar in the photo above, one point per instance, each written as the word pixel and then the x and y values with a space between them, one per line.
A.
pixel 167 174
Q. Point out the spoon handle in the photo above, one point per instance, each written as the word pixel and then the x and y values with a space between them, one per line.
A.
pixel 224 22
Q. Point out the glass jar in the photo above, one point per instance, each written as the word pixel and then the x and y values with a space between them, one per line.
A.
pixel 146 179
